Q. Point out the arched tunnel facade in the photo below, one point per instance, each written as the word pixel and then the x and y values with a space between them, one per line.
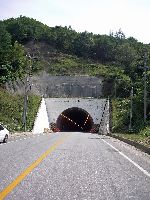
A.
pixel 74 119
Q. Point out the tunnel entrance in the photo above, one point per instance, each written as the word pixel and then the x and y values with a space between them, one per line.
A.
pixel 74 120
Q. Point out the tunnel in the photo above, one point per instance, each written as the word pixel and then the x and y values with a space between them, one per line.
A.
pixel 74 120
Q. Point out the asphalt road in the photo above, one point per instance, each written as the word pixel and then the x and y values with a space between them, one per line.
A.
pixel 70 166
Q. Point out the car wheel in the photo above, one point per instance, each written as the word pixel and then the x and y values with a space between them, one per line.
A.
pixel 5 139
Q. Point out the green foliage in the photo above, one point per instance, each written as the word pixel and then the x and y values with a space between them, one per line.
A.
pixel 24 29
pixel 67 52
pixel 113 50
pixel 11 110
pixel 139 138
pixel 104 48
pixel 121 115
pixel 5 51
pixel 120 118
pixel 15 65
pixel 63 64
pixel 145 131
pixel 5 43
pixel 83 44
pixel 33 105
pixel 12 57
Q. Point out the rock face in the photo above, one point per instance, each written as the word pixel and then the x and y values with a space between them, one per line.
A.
pixel 62 86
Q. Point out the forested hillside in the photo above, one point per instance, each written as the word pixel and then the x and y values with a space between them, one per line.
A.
pixel 66 51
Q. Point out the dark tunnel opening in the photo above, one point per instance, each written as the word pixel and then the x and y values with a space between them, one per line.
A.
pixel 74 120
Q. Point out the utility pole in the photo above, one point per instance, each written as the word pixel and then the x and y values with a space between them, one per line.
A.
pixel 145 68
pixel 131 109
pixel 25 105
pixel 145 87
pixel 26 89
pixel 115 87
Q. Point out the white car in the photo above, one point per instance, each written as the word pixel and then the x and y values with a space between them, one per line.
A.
pixel 4 134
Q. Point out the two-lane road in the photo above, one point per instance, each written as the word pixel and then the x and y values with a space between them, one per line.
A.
pixel 68 166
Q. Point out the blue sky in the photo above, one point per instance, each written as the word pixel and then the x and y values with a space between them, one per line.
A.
pixel 97 16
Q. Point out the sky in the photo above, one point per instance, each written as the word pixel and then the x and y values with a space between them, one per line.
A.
pixel 96 16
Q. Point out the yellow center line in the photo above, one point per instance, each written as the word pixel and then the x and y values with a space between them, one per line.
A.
pixel 19 178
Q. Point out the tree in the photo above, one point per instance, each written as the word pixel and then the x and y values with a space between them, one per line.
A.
pixel 24 29
pixel 5 43
pixel 12 57
pixel 18 61
pixel 103 49
pixel 83 44
pixel 125 57
pixel 5 50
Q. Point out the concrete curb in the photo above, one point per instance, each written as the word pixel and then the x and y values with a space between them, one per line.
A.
pixel 133 143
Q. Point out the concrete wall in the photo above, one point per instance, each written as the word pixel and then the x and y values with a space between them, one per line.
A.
pixel 55 106
pixel 105 119
pixel 60 86
pixel 41 120
pixel 67 86
pixel 51 108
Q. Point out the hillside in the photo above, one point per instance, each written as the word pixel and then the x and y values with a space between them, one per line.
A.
pixel 28 46
pixel 54 62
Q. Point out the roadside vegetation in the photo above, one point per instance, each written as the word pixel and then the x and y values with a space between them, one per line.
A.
pixel 140 138
pixel 28 46
pixel 11 110
pixel 139 131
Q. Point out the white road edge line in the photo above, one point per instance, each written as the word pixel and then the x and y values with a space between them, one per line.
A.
pixel 135 164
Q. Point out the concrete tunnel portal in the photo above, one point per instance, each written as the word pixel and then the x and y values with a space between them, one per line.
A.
pixel 74 119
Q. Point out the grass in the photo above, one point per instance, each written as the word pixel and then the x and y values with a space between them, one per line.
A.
pixel 11 110
pixel 120 123
pixel 120 115
pixel 139 138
